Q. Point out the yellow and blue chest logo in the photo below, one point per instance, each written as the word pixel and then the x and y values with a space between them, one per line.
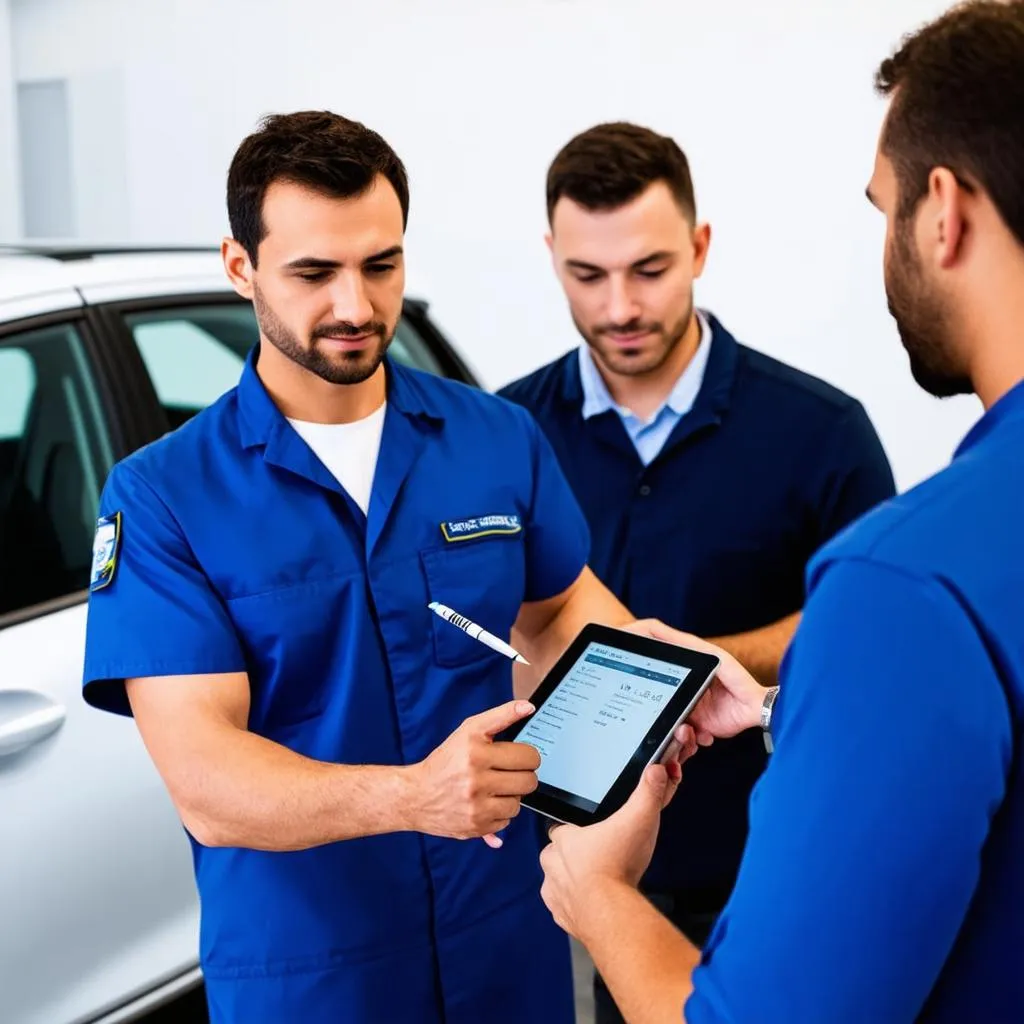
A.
pixel 480 526
pixel 104 550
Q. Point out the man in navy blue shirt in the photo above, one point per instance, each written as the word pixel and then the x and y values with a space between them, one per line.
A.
pixel 882 880
pixel 661 409
pixel 259 603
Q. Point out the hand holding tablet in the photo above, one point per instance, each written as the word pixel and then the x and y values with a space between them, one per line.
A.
pixel 470 785
pixel 607 709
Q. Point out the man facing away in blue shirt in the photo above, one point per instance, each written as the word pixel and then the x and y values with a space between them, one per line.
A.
pixel 883 878
pixel 709 472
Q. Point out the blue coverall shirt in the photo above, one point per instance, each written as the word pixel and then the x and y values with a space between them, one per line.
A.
pixel 884 876
pixel 237 551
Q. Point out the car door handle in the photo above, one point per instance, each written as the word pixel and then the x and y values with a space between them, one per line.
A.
pixel 27 718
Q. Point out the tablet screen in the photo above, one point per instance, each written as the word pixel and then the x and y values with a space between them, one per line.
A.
pixel 597 716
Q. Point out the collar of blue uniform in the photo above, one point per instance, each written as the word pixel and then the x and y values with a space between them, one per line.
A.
pixel 1010 406
pixel 258 416
pixel 719 374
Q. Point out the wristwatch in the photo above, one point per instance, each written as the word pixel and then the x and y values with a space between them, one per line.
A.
pixel 766 716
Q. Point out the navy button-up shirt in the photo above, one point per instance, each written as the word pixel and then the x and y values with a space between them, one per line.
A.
pixel 713 537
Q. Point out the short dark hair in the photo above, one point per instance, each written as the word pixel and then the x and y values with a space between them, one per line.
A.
pixel 957 88
pixel 322 151
pixel 610 164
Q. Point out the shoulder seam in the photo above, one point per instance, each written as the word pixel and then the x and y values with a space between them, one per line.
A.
pixel 836 397
pixel 950 591
pixel 543 373
pixel 131 471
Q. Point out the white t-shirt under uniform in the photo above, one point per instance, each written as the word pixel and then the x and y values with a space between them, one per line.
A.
pixel 348 450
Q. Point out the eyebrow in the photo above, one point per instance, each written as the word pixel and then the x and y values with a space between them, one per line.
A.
pixel 654 257
pixel 315 263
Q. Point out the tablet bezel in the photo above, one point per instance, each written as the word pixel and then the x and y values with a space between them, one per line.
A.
pixel 557 804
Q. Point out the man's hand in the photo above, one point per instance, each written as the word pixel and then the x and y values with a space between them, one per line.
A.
pixel 732 702
pixel 579 861
pixel 470 786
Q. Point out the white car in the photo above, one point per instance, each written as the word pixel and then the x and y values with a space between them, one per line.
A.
pixel 101 351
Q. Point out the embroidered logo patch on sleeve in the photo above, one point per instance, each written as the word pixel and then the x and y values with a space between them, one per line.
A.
pixel 105 546
pixel 480 526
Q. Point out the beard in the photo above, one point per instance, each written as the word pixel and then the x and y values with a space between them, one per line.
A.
pixel 649 355
pixel 923 320
pixel 335 368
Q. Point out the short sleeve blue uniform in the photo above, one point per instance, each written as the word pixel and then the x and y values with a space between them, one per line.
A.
pixel 713 535
pixel 234 549
pixel 884 877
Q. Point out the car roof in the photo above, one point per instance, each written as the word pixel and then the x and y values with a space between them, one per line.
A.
pixel 42 278
pixel 98 273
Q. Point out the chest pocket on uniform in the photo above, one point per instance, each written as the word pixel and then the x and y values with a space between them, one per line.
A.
pixel 483 579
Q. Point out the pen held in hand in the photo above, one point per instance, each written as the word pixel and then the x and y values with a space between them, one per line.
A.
pixel 470 628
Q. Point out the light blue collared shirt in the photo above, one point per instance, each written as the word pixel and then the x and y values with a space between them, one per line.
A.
pixel 648 436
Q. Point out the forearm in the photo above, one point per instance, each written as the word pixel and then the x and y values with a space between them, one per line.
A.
pixel 760 651
pixel 645 962
pixel 235 788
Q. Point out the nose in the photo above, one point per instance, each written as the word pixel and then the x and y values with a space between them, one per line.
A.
pixel 622 307
pixel 349 301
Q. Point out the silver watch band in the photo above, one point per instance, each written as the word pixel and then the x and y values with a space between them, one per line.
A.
pixel 766 716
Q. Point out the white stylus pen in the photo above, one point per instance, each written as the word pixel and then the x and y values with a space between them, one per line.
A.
pixel 477 632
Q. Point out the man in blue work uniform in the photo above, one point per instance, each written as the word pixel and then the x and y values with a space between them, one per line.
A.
pixel 260 605
pixel 883 878
pixel 709 473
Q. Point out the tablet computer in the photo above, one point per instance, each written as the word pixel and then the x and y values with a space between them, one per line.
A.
pixel 605 711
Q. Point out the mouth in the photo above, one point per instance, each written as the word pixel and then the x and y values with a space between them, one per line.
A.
pixel 630 340
pixel 348 342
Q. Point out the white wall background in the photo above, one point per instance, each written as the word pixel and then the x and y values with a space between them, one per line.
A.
pixel 48 190
pixel 773 103
pixel 10 218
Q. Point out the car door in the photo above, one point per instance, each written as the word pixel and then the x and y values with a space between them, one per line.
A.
pixel 96 890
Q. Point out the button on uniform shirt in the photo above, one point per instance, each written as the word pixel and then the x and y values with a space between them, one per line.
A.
pixel 710 529
pixel 884 878
pixel 228 546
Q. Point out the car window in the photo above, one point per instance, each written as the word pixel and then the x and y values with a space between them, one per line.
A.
pixel 190 367
pixel 54 456
pixel 195 353
pixel 17 385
